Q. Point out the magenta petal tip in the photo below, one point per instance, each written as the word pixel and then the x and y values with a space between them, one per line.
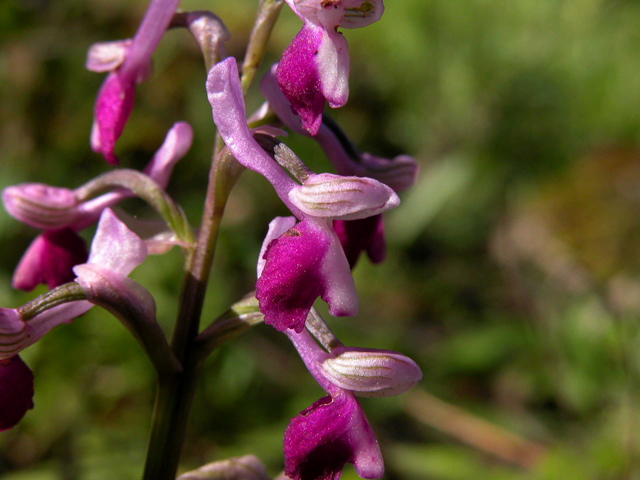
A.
pixel 112 109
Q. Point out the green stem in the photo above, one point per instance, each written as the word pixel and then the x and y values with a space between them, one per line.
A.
pixel 148 190
pixel 268 12
pixel 175 391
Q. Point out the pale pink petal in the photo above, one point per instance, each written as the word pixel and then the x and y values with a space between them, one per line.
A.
pixel 115 247
pixel 333 68
pixel 107 56
pixel 175 146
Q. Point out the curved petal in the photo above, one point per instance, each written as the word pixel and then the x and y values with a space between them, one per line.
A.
pixel 112 109
pixel 115 247
pixel 333 68
pixel 346 198
pixel 327 435
pixel 360 13
pixel 16 391
pixel 175 146
pixel 50 259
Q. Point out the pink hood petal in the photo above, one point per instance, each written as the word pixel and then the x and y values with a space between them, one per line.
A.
pixel 115 247
pixel 346 198
pixel 175 146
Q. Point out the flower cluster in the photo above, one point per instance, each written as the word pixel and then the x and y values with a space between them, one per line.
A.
pixel 336 217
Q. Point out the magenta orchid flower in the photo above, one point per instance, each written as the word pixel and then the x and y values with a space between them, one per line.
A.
pixel 315 66
pixel 52 255
pixel 305 260
pixel 115 252
pixel 399 173
pixel 129 63
pixel 334 430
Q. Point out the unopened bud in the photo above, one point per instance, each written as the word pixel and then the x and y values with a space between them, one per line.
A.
pixel 107 56
pixel 371 373
pixel 344 198
pixel 238 468
pixel 41 206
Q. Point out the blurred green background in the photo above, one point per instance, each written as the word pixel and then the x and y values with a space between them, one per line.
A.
pixel 513 272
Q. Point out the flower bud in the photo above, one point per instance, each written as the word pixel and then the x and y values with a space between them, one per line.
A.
pixel 107 56
pixel 343 198
pixel 371 373
pixel 41 206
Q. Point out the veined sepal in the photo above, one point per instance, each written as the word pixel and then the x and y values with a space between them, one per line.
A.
pixel 343 198
pixel 369 372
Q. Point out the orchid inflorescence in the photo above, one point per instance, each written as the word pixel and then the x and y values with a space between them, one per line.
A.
pixel 335 217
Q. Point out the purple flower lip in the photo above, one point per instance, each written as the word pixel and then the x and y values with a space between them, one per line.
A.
pixel 298 264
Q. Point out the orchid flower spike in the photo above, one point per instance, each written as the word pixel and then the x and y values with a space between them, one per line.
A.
pixel 304 260
pixel 52 255
pixel 115 252
pixel 334 430
pixel 129 62
pixel 315 66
